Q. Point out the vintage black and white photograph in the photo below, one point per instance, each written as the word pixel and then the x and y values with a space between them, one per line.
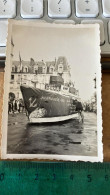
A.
pixel 52 94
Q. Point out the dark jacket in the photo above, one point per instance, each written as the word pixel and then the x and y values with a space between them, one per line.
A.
pixel 79 106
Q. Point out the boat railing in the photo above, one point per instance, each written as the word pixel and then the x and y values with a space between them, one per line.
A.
pixel 52 87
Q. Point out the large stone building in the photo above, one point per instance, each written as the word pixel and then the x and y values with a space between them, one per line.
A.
pixel 31 73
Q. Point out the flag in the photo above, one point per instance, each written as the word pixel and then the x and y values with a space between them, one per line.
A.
pixel 21 67
pixel 12 45
pixel 12 41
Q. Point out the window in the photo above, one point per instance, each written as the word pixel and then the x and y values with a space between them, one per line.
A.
pixel 19 77
pixel 44 70
pixel 25 77
pixel 47 69
pixel 35 70
pixel 12 77
pixel 39 70
pixel 51 70
pixel 26 69
pixel 18 69
pixel 60 68
pixel 13 69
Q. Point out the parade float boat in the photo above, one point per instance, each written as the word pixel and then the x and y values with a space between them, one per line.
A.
pixel 54 103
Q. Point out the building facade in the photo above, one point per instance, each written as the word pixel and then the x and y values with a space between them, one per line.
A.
pixel 38 73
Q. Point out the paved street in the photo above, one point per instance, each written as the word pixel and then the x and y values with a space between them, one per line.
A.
pixel 68 138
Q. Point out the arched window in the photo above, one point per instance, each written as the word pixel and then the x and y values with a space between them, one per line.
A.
pixel 25 69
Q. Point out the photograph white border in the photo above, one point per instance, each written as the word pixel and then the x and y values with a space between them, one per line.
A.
pixel 6 90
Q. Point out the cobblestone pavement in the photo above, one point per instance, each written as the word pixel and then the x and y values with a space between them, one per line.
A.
pixel 65 138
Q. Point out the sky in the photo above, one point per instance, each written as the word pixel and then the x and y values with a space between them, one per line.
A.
pixel 78 45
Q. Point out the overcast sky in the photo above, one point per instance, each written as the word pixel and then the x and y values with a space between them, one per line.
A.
pixel 77 45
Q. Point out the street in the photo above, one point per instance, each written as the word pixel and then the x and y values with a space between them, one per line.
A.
pixel 65 138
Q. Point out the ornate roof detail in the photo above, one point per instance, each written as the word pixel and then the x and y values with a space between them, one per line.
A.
pixel 32 64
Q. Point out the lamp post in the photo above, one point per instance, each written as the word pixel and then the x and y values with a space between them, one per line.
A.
pixel 95 95
pixel 95 82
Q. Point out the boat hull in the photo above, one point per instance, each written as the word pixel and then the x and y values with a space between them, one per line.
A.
pixel 46 106
pixel 53 119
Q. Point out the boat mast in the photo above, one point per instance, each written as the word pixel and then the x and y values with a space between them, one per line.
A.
pixel 21 67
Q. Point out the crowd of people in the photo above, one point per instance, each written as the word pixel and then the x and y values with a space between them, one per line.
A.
pixel 16 106
pixel 90 107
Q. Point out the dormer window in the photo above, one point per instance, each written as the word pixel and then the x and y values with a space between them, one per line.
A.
pixel 18 69
pixel 35 69
pixel 44 69
pixel 51 69
pixel 25 69
pixel 60 68
pixel 40 70
pixel 15 69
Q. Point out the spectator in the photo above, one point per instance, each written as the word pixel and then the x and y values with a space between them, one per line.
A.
pixel 79 109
